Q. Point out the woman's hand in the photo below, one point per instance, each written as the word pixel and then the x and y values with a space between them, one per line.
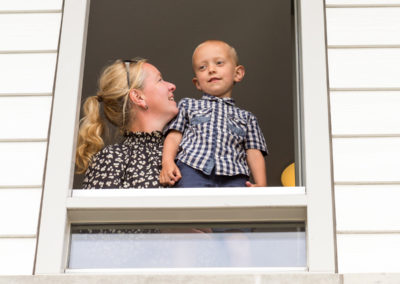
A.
pixel 170 174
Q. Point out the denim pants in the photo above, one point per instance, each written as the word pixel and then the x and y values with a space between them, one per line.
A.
pixel 196 178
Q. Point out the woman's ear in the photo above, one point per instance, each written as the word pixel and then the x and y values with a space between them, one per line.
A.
pixel 196 83
pixel 239 73
pixel 137 97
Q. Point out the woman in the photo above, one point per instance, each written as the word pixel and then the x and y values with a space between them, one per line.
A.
pixel 137 100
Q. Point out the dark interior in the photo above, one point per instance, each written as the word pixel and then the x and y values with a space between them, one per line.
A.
pixel 166 32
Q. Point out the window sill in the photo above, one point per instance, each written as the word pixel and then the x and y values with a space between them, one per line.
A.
pixel 204 205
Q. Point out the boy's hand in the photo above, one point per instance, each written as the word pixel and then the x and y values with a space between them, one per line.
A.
pixel 170 174
pixel 249 184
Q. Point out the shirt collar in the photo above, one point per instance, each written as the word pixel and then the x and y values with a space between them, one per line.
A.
pixel 229 101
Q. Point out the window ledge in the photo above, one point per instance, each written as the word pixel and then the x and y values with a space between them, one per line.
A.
pixel 205 204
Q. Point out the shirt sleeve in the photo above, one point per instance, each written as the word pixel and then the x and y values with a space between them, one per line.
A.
pixel 179 123
pixel 105 171
pixel 254 137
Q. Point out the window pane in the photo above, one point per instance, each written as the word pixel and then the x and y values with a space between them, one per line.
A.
pixel 177 245
pixel 267 52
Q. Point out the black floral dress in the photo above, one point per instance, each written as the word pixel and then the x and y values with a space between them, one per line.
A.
pixel 134 163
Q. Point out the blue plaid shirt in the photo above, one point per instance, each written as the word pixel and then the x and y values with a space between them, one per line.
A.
pixel 216 134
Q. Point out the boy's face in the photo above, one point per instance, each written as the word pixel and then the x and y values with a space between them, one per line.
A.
pixel 215 69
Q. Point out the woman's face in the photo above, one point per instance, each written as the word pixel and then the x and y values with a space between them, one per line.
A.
pixel 159 93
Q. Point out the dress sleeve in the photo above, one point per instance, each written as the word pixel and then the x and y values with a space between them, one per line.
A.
pixel 106 170
pixel 254 137
pixel 179 123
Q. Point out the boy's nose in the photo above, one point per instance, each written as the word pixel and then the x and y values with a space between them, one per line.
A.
pixel 211 68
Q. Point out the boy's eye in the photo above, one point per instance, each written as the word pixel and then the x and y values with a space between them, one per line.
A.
pixel 202 67
pixel 219 62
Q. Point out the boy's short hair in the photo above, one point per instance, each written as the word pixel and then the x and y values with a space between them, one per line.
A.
pixel 232 50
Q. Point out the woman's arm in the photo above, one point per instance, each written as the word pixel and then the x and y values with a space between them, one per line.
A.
pixel 256 162
pixel 170 173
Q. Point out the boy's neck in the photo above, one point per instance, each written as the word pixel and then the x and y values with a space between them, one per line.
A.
pixel 222 96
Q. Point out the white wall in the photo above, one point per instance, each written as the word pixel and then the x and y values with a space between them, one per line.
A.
pixel 364 68
pixel 29 33
pixel 364 77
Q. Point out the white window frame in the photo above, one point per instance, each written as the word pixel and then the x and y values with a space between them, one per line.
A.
pixel 312 204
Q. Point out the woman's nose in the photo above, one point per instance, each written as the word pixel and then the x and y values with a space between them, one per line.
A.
pixel 171 87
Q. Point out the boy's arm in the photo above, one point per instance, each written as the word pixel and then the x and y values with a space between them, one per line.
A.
pixel 256 162
pixel 170 173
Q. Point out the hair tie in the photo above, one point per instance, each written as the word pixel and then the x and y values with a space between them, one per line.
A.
pixel 99 99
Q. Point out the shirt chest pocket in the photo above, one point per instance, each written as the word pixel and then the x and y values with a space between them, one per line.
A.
pixel 237 125
pixel 200 116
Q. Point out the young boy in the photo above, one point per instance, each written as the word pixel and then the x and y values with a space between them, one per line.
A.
pixel 217 141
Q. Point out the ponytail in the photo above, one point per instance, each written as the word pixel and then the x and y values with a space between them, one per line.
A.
pixel 89 135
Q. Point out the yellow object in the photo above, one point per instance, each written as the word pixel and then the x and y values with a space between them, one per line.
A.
pixel 288 177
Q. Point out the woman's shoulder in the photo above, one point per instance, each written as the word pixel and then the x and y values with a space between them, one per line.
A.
pixel 117 150
pixel 106 168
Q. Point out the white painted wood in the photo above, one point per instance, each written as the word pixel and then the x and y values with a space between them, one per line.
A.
pixel 27 73
pixel 26 5
pixel 211 193
pixel 24 117
pixel 17 255
pixel 369 253
pixel 364 68
pixel 365 112
pixel 367 208
pixel 29 31
pixel 53 236
pixel 22 163
pixel 366 159
pixel 358 2
pixel 187 205
pixel 19 211
pixel 361 26
pixel 316 137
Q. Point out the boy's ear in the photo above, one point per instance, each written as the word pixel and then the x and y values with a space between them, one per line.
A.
pixel 137 98
pixel 239 73
pixel 196 83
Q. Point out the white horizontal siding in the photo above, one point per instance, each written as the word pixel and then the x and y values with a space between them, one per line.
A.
pixel 19 32
pixel 368 253
pixel 366 159
pixel 26 117
pixel 372 113
pixel 30 5
pixel 364 68
pixel 373 208
pixel 360 26
pixel 17 255
pixel 19 209
pixel 27 73
pixel 22 163
pixel 29 32
pixel 361 2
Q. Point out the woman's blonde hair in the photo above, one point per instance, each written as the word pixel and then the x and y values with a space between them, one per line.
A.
pixel 114 88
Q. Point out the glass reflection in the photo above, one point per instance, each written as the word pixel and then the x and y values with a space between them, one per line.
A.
pixel 177 245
